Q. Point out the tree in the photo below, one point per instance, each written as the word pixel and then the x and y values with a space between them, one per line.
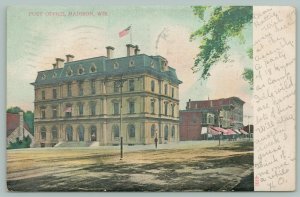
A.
pixel 222 24
pixel 28 117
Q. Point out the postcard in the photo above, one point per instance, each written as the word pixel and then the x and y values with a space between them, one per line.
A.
pixel 151 98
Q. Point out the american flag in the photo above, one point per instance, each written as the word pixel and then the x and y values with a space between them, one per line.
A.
pixel 68 109
pixel 124 32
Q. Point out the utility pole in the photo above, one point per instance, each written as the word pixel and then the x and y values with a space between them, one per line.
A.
pixel 247 116
pixel 120 85
pixel 220 127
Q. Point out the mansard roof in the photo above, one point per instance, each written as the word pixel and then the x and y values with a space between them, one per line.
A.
pixel 105 67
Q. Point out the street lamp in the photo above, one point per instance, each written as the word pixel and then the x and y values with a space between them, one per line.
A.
pixel 120 85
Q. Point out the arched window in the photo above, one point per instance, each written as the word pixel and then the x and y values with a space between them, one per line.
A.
pixel 69 131
pixel 43 133
pixel 131 130
pixel 173 132
pixel 166 131
pixel 152 86
pixel 93 133
pixel 54 133
pixel 93 68
pixel 116 132
pixel 152 107
pixel 153 131
pixel 81 133
pixel 80 70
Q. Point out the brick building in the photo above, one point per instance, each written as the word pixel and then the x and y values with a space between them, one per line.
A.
pixel 225 113
pixel 16 128
pixel 80 101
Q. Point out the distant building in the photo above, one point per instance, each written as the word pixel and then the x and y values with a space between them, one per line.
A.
pixel 198 115
pixel 16 128
pixel 80 101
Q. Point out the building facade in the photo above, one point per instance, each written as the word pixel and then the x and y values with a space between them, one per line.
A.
pixel 83 101
pixel 225 113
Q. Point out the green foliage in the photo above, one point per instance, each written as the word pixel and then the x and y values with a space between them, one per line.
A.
pixel 248 76
pixel 250 53
pixel 28 117
pixel 25 143
pixel 223 23
pixel 14 110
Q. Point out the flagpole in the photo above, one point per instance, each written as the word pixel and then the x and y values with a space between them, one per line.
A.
pixel 131 35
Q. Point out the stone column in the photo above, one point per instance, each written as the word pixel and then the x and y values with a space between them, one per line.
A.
pixel 104 130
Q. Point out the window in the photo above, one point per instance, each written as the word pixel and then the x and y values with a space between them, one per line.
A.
pixel 81 133
pixel 131 131
pixel 43 133
pixel 131 107
pixel 152 107
pixel 93 109
pixel 43 76
pixel 93 133
pixel 43 113
pixel 80 109
pixel 93 68
pixel 116 87
pixel 69 132
pixel 152 64
pixel 54 133
pixel 152 131
pixel 116 108
pixel 166 108
pixel 172 92
pixel 68 111
pixel 204 120
pixel 80 71
pixel 116 132
pixel 173 132
pixel 54 93
pixel 131 85
pixel 54 112
pixel 166 89
pixel 69 89
pixel 93 87
pixel 166 132
pixel 80 88
pixel 152 86
pixel 131 63
pixel 116 65
pixel 69 72
pixel 173 110
pixel 43 95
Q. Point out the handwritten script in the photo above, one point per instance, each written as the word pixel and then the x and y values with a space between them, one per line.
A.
pixel 274 98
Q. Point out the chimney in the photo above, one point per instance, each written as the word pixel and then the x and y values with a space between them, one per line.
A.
pixel 188 104
pixel 59 62
pixel 110 52
pixel 54 66
pixel 130 49
pixel 69 58
pixel 136 50
pixel 21 127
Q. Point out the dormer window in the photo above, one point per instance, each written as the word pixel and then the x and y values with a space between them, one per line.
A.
pixel 93 68
pixel 152 64
pixel 43 76
pixel 69 72
pixel 116 65
pixel 80 70
pixel 131 63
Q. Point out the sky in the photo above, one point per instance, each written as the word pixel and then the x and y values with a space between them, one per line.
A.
pixel 38 35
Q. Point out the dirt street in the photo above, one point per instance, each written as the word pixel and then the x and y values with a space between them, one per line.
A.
pixel 187 166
